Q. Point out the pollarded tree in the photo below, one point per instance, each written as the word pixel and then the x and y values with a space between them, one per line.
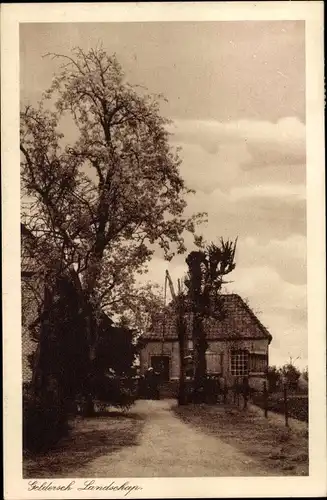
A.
pixel 116 186
pixel 207 268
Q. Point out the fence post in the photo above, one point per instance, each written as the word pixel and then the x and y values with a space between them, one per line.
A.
pixel 246 390
pixel 265 398
pixel 238 388
pixel 285 404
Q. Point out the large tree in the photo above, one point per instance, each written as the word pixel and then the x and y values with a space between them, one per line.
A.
pixel 110 193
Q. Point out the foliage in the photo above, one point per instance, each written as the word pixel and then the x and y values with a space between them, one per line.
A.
pixel 287 372
pixel 297 405
pixel 63 346
pixel 96 204
pixel 291 374
pixel 273 377
pixel 115 190
pixel 43 426
pixel 305 374
pixel 113 390
pixel 117 349
pixel 135 306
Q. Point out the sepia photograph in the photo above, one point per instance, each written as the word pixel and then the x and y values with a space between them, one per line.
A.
pixel 164 239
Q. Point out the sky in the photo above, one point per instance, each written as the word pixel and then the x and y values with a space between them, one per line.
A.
pixel 236 96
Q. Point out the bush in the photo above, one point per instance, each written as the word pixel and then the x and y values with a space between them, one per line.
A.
pixel 291 374
pixel 43 426
pixel 210 390
pixel 297 406
pixel 115 391
pixel 189 390
pixel 274 378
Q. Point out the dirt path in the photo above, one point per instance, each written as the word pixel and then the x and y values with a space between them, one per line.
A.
pixel 169 447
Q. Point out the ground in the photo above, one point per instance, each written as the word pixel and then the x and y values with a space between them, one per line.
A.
pixel 158 439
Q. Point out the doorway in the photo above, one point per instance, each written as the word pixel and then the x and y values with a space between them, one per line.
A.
pixel 160 364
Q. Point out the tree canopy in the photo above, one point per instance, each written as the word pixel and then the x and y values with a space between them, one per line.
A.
pixel 106 197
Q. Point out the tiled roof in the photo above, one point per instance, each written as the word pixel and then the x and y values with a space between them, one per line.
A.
pixel 239 322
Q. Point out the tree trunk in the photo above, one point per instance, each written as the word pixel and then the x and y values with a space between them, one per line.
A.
pixel 200 365
pixel 88 306
pixel 181 329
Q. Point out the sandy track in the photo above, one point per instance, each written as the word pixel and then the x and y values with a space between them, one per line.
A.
pixel 169 447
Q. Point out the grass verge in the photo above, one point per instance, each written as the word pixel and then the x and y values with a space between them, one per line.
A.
pixel 280 449
pixel 89 438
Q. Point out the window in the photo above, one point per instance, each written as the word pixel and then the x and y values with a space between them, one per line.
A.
pixel 239 363
pixel 258 362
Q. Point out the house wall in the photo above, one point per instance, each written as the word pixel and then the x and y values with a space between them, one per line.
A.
pixel 223 348
pixel 170 349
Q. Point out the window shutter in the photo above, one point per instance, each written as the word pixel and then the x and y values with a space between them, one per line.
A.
pixel 213 362
pixel 258 362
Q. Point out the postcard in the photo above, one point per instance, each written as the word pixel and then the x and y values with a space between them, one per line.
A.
pixel 164 257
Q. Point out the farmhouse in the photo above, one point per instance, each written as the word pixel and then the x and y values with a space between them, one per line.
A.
pixel 238 345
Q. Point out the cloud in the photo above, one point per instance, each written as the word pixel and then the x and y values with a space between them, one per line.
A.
pixel 266 143
pixel 205 172
pixel 269 192
pixel 287 257
pixel 266 283
pixel 264 207
pixel 281 306
pixel 248 212
pixel 265 203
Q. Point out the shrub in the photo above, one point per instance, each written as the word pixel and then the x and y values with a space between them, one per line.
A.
pixel 43 426
pixel 189 390
pixel 291 374
pixel 210 390
pixel 115 391
pixel 274 378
